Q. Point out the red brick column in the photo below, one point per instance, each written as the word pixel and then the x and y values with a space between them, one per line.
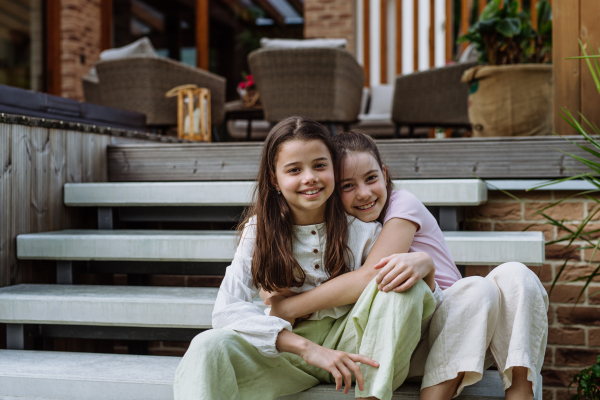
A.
pixel 331 19
pixel 574 332
pixel 79 43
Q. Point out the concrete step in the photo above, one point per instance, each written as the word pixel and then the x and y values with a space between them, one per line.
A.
pixel 467 248
pixel 436 192
pixel 131 306
pixel 29 375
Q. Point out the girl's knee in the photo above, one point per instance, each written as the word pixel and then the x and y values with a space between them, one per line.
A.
pixel 214 340
pixel 476 289
pixel 516 275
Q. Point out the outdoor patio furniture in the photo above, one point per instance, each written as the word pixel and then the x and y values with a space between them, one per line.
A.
pixel 432 98
pixel 324 84
pixel 140 83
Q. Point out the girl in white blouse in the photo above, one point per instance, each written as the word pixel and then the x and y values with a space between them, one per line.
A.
pixel 297 237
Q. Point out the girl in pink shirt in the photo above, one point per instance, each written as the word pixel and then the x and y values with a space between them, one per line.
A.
pixel 499 318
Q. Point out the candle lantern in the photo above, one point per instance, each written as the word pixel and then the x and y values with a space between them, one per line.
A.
pixel 193 112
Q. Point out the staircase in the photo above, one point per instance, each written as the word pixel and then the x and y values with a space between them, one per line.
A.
pixel 135 312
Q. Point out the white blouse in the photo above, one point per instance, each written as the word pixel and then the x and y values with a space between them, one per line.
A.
pixel 234 307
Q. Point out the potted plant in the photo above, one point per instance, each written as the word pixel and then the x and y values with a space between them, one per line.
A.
pixel 247 90
pixel 512 94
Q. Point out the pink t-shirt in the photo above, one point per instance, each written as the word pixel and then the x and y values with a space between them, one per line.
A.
pixel 428 238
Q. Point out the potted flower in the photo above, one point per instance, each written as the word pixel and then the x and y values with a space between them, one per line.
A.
pixel 247 90
pixel 511 93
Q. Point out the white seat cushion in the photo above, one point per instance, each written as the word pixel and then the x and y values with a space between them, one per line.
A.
pixel 302 44
pixel 141 47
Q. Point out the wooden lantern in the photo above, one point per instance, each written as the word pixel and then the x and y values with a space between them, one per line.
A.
pixel 193 112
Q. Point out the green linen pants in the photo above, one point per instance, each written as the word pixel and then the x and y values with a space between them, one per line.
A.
pixel 386 327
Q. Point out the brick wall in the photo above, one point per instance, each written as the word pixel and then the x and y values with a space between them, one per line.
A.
pixel 79 42
pixel 574 332
pixel 331 19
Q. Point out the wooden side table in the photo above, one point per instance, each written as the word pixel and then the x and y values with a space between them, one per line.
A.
pixel 236 110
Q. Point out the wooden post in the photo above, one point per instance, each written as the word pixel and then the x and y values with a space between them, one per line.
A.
pixel 106 11
pixel 398 37
pixel 482 4
pixel 566 73
pixel 202 42
pixel 431 33
pixel 415 35
pixel 448 25
pixel 534 13
pixel 53 78
pixel 383 41
pixel 590 36
pixel 367 41
pixel 465 18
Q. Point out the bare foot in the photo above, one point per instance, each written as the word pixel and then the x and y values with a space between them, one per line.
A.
pixel 521 388
pixel 442 391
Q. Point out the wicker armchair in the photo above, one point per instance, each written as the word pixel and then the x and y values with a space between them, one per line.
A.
pixel 431 98
pixel 140 83
pixel 324 84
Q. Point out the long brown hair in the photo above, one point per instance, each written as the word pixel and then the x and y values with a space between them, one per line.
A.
pixel 355 141
pixel 273 264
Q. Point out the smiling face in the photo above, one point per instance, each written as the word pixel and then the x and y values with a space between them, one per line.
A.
pixel 304 175
pixel 363 186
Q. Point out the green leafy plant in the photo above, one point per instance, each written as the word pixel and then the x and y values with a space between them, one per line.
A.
pixel 580 238
pixel 504 35
pixel 587 383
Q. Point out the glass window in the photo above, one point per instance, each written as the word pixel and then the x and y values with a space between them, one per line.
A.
pixel 170 26
pixel 21 44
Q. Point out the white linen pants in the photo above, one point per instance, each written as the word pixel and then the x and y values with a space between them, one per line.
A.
pixel 502 318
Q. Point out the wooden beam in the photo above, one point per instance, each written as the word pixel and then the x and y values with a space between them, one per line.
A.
pixel 398 37
pixel 272 11
pixel 383 59
pixel 367 41
pixel 566 74
pixel 415 35
pixel 53 77
pixel 449 24
pixel 106 11
pixel 202 34
pixel 431 33
pixel 298 5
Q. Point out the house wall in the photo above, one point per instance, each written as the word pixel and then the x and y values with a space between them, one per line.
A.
pixel 574 332
pixel 331 19
pixel 79 43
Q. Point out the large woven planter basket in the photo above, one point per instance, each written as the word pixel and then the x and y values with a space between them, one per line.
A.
pixel 510 100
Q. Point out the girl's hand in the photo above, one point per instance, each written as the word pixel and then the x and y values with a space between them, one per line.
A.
pixel 339 364
pixel 400 271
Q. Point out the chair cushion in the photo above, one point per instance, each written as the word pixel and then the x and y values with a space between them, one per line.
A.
pixel 141 47
pixel 381 99
pixel 267 43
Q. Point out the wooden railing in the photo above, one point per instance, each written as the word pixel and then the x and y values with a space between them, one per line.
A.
pixel 404 46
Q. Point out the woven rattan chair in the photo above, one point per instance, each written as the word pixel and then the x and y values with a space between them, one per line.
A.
pixel 323 84
pixel 432 98
pixel 140 83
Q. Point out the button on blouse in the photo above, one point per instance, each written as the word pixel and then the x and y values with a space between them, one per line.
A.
pixel 235 308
